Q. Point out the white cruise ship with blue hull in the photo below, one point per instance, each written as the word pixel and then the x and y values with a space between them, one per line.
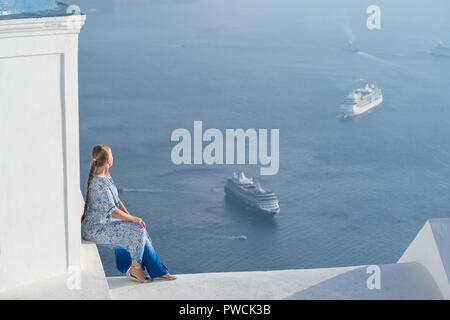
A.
pixel 251 194
pixel 362 100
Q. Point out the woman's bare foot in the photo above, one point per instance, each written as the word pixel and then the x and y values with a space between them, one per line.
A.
pixel 137 272
pixel 168 276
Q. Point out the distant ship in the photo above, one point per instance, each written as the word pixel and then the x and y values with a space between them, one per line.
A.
pixel 441 50
pixel 361 100
pixel 251 194
pixel 350 47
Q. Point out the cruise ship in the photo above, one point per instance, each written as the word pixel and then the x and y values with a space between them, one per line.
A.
pixel 251 194
pixel 361 100
pixel 441 50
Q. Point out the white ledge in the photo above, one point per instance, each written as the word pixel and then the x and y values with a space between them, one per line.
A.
pixel 93 284
pixel 41 26
pixel 398 281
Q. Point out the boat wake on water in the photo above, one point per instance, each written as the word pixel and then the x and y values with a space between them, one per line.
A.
pixel 224 237
pixel 138 190
pixel 376 59
pixel 146 190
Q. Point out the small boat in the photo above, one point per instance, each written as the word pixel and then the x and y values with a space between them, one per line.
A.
pixel 350 47
pixel 441 50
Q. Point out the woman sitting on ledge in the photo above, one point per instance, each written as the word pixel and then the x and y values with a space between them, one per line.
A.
pixel 106 221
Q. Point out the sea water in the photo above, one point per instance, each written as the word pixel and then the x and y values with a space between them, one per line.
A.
pixel 352 191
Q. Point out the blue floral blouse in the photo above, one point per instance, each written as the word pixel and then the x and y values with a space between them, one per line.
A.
pixel 103 228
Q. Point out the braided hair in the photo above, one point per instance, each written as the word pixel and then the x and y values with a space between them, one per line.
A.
pixel 100 155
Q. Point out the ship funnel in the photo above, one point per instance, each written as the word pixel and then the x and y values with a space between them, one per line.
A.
pixel 243 179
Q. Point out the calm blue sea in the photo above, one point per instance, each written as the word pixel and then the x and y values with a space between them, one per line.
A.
pixel 351 192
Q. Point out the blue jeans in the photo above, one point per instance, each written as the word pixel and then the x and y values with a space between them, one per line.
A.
pixel 150 260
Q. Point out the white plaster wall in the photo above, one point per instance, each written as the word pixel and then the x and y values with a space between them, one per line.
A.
pixel 31 166
pixel 39 160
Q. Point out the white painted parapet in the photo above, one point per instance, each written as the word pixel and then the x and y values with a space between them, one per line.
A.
pixel 398 281
pixel 421 273
pixel 39 162
pixel 431 249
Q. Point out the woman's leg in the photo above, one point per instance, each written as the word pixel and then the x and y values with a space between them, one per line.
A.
pixel 123 259
pixel 151 262
pixel 136 241
pixel 124 262
pixel 131 238
pixel 126 235
pixel 137 272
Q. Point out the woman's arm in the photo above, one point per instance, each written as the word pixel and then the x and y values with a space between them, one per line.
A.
pixel 122 207
pixel 118 213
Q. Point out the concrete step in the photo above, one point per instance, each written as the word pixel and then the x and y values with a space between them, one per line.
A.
pixel 93 283
pixel 398 281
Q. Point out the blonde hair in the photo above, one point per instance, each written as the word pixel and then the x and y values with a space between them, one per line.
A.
pixel 100 155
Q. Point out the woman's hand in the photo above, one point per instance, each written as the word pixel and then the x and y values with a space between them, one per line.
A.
pixel 139 221
pixel 118 213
